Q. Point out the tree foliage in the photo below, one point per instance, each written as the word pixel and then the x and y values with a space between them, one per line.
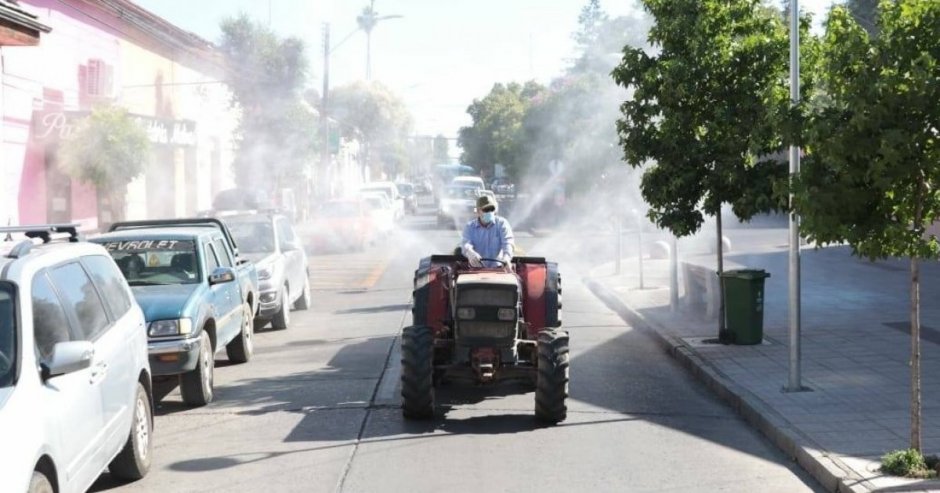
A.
pixel 277 131
pixel 706 109
pixel 496 134
pixel 107 149
pixel 873 173
pixel 441 149
pixel 865 13
pixel 373 113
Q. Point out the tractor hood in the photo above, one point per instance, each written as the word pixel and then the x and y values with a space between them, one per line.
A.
pixel 504 279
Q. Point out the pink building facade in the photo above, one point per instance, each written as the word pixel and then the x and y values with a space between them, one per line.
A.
pixel 111 52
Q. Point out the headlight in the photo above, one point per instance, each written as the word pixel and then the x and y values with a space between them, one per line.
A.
pixel 163 328
pixel 506 314
pixel 466 313
pixel 264 273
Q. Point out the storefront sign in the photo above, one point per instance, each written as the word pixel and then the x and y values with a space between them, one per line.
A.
pixel 52 126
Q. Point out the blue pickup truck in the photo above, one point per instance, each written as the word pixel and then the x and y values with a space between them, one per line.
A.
pixel 197 297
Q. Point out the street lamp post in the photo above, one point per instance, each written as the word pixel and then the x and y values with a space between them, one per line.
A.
pixel 793 383
pixel 367 21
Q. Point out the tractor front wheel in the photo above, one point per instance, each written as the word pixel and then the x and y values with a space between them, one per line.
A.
pixel 417 372
pixel 551 389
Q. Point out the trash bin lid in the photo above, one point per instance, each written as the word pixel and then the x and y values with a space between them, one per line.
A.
pixel 749 274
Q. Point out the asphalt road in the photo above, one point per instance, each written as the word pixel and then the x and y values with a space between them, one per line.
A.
pixel 317 408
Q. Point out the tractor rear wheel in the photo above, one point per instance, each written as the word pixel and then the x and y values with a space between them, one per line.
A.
pixel 417 372
pixel 551 389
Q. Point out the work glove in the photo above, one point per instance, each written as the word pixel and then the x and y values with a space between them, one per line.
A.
pixel 473 257
pixel 506 259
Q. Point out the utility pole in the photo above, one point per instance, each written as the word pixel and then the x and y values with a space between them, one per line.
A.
pixel 323 176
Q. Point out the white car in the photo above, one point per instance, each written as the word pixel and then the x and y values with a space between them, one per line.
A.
pixel 381 212
pixel 390 190
pixel 75 391
pixel 468 182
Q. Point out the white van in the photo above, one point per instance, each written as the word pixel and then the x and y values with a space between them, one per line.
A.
pixel 391 191
pixel 469 181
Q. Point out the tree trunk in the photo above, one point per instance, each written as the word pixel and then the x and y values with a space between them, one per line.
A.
pixel 722 332
pixel 915 355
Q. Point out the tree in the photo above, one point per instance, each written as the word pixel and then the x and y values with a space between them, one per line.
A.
pixel 107 149
pixel 496 134
pixel 865 13
pixel 277 131
pixel 873 171
pixel 441 149
pixel 371 112
pixel 705 111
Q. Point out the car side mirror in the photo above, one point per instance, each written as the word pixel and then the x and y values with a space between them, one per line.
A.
pixel 67 357
pixel 221 275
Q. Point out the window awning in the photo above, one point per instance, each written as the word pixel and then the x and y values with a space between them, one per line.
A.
pixel 18 27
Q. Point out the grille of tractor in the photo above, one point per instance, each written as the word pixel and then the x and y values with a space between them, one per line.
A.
pixel 486 330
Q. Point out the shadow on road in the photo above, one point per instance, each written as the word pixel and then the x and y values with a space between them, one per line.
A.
pixel 374 309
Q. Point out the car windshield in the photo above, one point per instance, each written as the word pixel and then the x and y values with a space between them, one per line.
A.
pixel 252 236
pixel 8 333
pixel 405 189
pixel 156 262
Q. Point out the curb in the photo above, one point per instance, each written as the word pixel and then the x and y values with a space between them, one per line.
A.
pixel 829 471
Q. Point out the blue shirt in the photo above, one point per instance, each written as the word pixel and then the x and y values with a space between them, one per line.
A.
pixel 490 241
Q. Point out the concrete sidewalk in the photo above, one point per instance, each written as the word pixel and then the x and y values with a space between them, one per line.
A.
pixel 856 348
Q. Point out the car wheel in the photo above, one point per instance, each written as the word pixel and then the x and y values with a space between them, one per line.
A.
pixel 242 346
pixel 196 386
pixel 133 462
pixel 303 303
pixel 282 318
pixel 40 483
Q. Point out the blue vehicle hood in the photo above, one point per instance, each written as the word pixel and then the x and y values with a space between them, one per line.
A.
pixel 165 302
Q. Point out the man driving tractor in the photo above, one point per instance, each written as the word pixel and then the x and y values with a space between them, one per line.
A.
pixel 487 240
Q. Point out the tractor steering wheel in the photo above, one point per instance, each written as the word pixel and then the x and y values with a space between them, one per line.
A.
pixel 503 262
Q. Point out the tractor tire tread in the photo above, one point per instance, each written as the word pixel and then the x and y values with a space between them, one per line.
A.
pixel 551 391
pixel 417 372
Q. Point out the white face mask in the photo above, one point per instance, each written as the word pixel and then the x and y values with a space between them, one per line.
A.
pixel 488 217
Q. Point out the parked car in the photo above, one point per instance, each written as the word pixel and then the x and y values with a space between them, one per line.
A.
pixel 75 384
pixel 187 281
pixel 391 192
pixel 343 225
pixel 407 191
pixel 269 240
pixel 381 212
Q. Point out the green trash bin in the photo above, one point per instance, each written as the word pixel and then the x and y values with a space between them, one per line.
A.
pixel 744 305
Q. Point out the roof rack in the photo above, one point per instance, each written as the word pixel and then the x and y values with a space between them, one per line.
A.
pixel 43 232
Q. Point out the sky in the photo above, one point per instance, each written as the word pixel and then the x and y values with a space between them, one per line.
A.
pixel 438 56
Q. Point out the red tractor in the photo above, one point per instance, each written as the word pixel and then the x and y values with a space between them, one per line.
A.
pixel 485 326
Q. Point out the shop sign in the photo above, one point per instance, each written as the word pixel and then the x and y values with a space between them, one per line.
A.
pixel 53 126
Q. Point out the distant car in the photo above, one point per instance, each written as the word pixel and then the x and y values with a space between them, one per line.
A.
pixel 381 212
pixel 469 181
pixel 191 291
pixel 269 240
pixel 391 192
pixel 407 191
pixel 241 199
pixel 75 386
pixel 458 205
pixel 343 225
pixel 502 186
